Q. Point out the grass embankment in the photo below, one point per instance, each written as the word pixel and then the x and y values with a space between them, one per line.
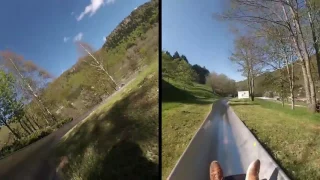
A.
pixel 184 108
pixel 120 139
pixel 291 137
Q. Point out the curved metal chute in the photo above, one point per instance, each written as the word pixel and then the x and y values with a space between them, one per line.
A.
pixel 224 137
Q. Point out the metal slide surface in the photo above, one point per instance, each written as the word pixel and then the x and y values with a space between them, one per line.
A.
pixel 224 137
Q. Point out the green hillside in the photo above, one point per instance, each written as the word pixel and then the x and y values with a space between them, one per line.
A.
pixel 131 46
pixel 185 104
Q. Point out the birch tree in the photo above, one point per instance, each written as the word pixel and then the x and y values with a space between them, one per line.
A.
pixel 96 62
pixel 22 70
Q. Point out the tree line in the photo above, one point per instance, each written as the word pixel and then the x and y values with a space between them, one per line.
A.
pixel 22 83
pixel 221 84
pixel 278 35
pixel 177 66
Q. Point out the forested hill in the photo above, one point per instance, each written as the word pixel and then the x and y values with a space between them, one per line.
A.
pixel 263 84
pixel 140 19
pixel 177 67
pixel 132 45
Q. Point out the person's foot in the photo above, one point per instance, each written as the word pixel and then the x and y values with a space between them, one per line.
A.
pixel 215 171
pixel 253 170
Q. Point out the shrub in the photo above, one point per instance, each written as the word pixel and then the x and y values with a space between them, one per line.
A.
pixel 130 44
pixel 25 141
pixel 61 123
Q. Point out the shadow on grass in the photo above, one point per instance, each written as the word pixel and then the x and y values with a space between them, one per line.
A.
pixel 196 88
pixel 243 104
pixel 115 144
pixel 118 164
pixel 304 159
pixel 171 93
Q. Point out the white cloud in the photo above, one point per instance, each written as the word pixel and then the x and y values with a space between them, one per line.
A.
pixel 93 7
pixel 135 8
pixel 104 39
pixel 78 37
pixel 110 1
pixel 66 39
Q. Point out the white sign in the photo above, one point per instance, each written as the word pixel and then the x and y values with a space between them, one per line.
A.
pixel 243 94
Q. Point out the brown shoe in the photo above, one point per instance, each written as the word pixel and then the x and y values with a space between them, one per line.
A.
pixel 253 170
pixel 215 171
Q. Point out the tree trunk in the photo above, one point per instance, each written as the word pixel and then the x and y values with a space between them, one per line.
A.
pixel 312 106
pixel 32 129
pixel 290 75
pixel 16 135
pixel 26 129
pixel 100 66
pixel 115 88
pixel 32 91
pixel 32 121
pixel 252 91
pixel 303 56
pixel 252 88
pixel 292 98
pixel 35 122
pixel 249 84
pixel 282 98
pixel 292 86
pixel 31 125
pixel 306 82
pixel 43 113
pixel 314 37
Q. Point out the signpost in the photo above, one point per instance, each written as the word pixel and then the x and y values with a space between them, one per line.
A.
pixel 243 94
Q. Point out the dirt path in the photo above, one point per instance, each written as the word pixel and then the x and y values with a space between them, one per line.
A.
pixel 35 161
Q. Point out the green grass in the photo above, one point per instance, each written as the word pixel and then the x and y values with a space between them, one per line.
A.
pixel 291 137
pixel 5 137
pixel 120 139
pixel 184 107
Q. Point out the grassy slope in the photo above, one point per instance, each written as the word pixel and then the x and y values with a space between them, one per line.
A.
pixel 120 139
pixel 5 137
pixel 290 136
pixel 183 111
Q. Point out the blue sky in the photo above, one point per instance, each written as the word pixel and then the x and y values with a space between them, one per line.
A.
pixel 43 31
pixel 188 27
